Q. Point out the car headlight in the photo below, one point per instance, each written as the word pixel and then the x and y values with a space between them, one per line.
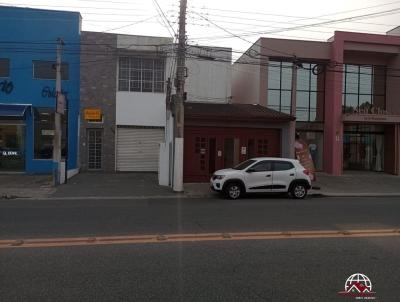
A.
pixel 218 177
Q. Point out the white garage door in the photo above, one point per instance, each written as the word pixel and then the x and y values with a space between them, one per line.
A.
pixel 138 149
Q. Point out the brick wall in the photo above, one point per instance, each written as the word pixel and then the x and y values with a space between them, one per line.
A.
pixel 98 90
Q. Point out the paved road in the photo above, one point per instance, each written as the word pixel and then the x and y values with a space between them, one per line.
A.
pixel 55 218
pixel 272 270
pixel 248 270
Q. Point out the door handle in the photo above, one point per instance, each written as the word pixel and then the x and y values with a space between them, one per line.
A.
pixel 268 175
pixel 292 174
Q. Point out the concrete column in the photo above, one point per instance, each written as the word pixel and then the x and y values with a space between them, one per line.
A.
pixel 333 126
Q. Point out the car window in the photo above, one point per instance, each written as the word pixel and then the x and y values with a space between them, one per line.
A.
pixel 245 164
pixel 283 166
pixel 262 166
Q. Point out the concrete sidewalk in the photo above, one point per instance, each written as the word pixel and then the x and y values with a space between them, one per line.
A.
pixel 108 185
pixel 145 185
pixel 358 183
pixel 25 186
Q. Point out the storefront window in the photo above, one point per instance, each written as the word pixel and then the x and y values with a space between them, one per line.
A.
pixel 315 142
pixel 363 147
pixel 44 133
pixel 12 147
pixel 363 87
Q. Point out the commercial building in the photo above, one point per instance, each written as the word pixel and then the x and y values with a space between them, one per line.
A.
pixel 124 90
pixel 346 92
pixel 27 88
pixel 218 133
pixel 123 97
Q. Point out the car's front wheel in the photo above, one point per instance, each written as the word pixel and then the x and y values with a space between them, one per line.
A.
pixel 233 190
pixel 298 191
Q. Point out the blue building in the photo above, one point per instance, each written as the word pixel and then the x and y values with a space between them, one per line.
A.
pixel 28 42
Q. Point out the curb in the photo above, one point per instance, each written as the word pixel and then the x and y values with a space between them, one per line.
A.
pixel 185 196
pixel 354 194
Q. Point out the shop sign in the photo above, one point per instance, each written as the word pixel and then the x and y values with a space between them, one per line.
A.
pixel 376 118
pixel 92 114
pixel 370 114
pixel 368 110
pixel 6 86
pixel 10 153
pixel 48 132
pixel 48 92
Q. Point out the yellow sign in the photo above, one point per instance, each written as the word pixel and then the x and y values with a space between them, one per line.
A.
pixel 93 114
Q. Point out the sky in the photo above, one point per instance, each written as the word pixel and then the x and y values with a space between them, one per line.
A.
pixel 235 24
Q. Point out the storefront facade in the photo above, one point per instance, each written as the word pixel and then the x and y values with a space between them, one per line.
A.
pixel 27 88
pixel 346 93
pixel 219 136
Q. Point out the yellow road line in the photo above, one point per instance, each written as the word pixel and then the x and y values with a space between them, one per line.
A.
pixel 156 238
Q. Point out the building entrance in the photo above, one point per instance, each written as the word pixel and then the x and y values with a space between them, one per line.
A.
pixel 363 148
pixel 12 148
pixel 209 149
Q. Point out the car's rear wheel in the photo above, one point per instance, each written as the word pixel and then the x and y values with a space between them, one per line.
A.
pixel 298 191
pixel 233 190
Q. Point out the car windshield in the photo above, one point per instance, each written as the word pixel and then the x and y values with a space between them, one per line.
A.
pixel 245 164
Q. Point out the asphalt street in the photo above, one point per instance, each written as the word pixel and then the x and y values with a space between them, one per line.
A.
pixel 244 270
pixel 56 218
pixel 275 270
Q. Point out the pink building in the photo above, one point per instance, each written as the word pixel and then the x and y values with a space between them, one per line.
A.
pixel 347 100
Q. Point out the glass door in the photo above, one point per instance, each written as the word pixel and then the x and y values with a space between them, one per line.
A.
pixel 363 151
pixel 12 148
pixel 95 148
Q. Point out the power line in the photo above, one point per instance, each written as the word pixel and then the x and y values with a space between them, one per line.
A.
pixel 303 18
pixel 165 18
pixel 130 24
pixel 240 37
pixel 387 12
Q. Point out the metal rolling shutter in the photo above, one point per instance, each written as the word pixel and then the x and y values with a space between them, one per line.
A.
pixel 138 149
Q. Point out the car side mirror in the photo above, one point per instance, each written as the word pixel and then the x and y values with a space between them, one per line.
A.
pixel 250 170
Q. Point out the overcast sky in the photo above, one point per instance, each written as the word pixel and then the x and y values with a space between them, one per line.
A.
pixel 227 23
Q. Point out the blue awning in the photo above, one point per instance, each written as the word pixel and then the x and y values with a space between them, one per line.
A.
pixel 13 110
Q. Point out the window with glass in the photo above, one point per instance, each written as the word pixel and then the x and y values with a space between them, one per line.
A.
pixel 46 70
pixel 4 67
pixel 310 96
pixel 141 74
pixel 279 86
pixel 364 87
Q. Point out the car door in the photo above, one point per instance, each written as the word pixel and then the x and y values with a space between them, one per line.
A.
pixel 283 174
pixel 259 177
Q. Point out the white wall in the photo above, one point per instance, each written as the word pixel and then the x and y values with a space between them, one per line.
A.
pixel 209 74
pixel 143 43
pixel 140 108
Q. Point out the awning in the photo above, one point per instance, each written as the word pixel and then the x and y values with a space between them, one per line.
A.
pixel 13 110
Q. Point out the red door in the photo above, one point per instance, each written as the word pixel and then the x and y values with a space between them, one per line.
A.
pixel 208 149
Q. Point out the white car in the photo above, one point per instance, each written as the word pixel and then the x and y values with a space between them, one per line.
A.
pixel 263 175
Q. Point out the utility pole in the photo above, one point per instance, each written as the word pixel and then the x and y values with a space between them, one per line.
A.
pixel 57 119
pixel 178 99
